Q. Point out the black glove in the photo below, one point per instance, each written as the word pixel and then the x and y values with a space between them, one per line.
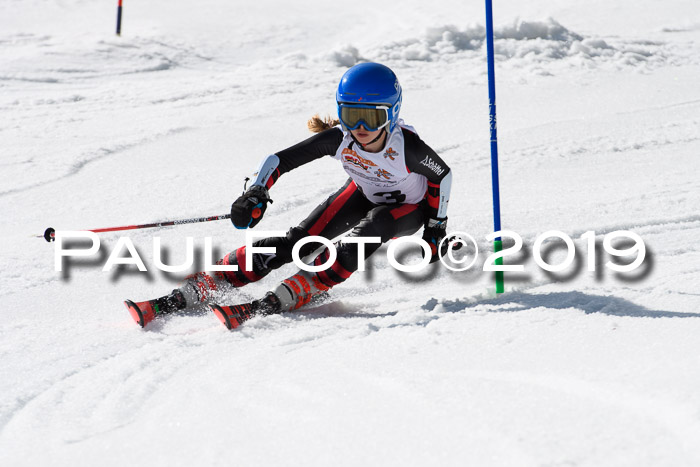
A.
pixel 249 208
pixel 433 233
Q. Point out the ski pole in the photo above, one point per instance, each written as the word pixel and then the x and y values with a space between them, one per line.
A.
pixel 50 233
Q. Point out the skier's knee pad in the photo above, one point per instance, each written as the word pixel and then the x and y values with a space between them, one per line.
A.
pixel 283 247
pixel 261 264
pixel 378 223
pixel 247 271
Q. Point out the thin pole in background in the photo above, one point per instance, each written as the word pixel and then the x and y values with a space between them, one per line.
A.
pixel 119 18
pixel 49 234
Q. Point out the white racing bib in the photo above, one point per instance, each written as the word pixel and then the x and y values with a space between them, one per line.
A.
pixel 382 176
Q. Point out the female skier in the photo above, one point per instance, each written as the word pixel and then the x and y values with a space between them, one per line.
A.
pixel 397 185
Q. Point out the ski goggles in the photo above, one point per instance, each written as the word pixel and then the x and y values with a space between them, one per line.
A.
pixel 372 117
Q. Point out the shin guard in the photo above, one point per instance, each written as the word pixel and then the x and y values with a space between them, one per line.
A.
pixel 298 290
pixel 201 287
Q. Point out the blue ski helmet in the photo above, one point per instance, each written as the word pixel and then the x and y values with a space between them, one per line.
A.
pixel 369 85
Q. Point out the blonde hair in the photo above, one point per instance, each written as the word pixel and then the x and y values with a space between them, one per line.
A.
pixel 317 125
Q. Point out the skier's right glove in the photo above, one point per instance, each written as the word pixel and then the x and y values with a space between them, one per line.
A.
pixel 433 233
pixel 249 208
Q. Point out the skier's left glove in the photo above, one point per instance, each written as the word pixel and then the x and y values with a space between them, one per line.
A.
pixel 249 208
pixel 434 231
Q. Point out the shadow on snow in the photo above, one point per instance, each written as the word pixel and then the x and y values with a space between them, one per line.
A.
pixel 520 301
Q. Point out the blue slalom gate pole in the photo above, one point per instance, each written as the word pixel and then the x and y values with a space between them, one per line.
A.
pixel 497 244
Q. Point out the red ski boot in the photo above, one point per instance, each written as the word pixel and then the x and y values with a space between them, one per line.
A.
pixel 145 312
pixel 142 312
pixel 234 316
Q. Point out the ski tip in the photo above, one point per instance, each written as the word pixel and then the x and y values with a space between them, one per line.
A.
pixel 135 312
pixel 223 316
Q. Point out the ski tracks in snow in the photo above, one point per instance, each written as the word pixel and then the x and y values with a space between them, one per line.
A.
pixel 662 416
pixel 102 395
pixel 81 161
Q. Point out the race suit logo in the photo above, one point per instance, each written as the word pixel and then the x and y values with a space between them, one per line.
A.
pixel 355 159
pixel 390 153
pixel 383 173
pixel 432 165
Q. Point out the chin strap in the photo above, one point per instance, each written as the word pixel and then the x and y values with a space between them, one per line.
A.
pixel 381 133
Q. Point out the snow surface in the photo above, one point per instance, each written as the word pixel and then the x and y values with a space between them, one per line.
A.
pixel 599 129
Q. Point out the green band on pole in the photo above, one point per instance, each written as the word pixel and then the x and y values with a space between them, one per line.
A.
pixel 500 286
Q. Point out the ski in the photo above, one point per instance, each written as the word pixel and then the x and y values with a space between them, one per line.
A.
pixel 293 293
pixel 142 312
pixel 233 316
pixel 145 312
